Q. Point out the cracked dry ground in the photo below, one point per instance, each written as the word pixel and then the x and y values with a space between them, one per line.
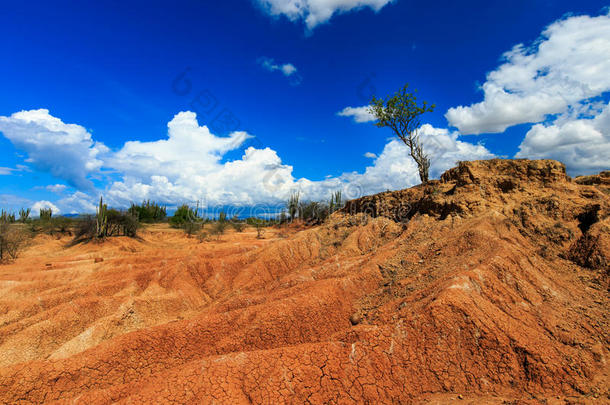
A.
pixel 490 285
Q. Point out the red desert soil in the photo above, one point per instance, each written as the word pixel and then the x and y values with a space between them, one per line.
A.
pixel 489 286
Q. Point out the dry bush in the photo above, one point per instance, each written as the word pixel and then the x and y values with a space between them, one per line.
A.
pixel 12 239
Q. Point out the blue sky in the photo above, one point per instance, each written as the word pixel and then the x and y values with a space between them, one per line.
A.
pixel 114 75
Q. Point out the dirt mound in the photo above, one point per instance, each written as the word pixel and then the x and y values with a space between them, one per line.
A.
pixel 490 284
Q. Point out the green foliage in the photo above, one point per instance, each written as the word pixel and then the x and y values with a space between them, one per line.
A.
pixel 254 221
pixel 46 214
pixel 121 224
pixel 183 215
pixel 148 212
pixel 402 113
pixel 24 215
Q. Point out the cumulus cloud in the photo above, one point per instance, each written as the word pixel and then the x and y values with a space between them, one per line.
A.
pixel 569 63
pixel 287 69
pixel 370 155
pixel 315 12
pixel 359 114
pixel 583 144
pixel 50 144
pixel 39 205
pixel 79 203
pixel 188 165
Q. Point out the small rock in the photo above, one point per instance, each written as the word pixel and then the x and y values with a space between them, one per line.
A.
pixel 355 319
pixel 421 261
pixel 48 265
pixel 460 396
pixel 98 260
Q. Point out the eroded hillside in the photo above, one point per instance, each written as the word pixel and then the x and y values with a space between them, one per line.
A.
pixel 490 284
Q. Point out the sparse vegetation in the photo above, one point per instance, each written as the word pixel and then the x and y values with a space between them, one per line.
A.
pixel 401 113
pixel 218 228
pixel 192 228
pixel 12 239
pixel 106 223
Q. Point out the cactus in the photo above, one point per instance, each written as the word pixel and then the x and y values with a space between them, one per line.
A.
pixel 293 205
pixel 102 220
pixel 24 214
pixel 6 217
pixel 336 201
pixel 46 214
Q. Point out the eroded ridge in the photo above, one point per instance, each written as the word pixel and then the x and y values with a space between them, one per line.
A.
pixel 491 284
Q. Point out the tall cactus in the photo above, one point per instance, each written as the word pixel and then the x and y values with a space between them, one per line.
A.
pixel 293 205
pixel 46 214
pixel 6 217
pixel 24 214
pixel 102 220
pixel 336 201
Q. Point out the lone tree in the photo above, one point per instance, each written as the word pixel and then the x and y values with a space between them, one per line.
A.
pixel 401 113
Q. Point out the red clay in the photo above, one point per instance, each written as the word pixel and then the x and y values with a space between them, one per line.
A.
pixel 491 286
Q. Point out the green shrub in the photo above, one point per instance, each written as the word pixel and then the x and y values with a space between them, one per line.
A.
pixel 148 212
pixel 183 214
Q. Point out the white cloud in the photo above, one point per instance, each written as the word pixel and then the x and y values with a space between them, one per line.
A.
pixel 583 144
pixel 188 166
pixel 79 203
pixel 49 144
pixel 38 205
pixel 359 114
pixel 394 169
pixel 370 155
pixel 5 171
pixel 56 188
pixel 287 69
pixel 315 12
pixel 567 65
